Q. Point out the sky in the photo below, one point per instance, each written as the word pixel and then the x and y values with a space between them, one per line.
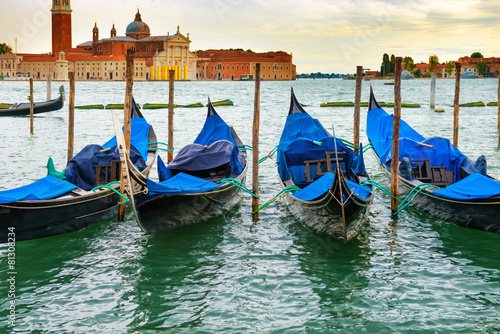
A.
pixel 329 36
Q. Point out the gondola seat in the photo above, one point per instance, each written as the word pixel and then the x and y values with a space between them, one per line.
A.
pixel 436 175
pixel 317 168
pixel 111 172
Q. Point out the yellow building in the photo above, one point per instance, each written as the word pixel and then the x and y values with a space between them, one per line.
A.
pixel 175 56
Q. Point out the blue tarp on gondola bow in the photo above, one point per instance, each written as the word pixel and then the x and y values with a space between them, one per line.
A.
pixel 214 146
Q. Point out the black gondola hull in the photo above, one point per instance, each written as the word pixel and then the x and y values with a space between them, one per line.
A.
pixel 38 219
pixel 325 217
pixel 37 109
pixel 160 212
pixel 478 214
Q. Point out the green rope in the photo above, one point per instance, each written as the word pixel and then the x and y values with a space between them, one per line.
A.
pixel 108 186
pixel 367 147
pixel 239 185
pixel 270 154
pixel 284 190
pixel 348 143
pixel 245 147
pixel 158 148
pixel 351 145
pixel 420 187
pixel 161 149
pixel 378 185
pixel 407 200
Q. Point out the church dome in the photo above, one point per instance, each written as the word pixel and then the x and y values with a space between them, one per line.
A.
pixel 137 27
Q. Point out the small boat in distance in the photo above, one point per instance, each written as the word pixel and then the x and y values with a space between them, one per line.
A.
pixel 23 109
pixel 468 75
pixel 321 177
pixel 446 184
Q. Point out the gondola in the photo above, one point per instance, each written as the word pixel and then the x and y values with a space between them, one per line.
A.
pixel 322 177
pixel 23 109
pixel 444 182
pixel 82 194
pixel 203 181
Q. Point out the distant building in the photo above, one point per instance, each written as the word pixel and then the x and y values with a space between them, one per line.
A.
pixel 470 64
pixel 160 52
pixel 439 70
pixel 103 59
pixel 373 74
pixel 86 67
pixel 240 65
pixel 9 63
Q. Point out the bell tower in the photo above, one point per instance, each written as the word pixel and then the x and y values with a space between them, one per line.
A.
pixel 61 26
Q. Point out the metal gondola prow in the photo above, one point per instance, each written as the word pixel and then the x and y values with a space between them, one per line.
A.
pixel 135 112
pixel 295 106
pixel 373 102
pixel 61 92
pixel 211 111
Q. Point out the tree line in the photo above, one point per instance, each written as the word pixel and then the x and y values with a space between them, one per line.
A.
pixel 389 64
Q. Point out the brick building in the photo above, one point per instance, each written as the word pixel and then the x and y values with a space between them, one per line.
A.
pixel 102 59
pixel 240 65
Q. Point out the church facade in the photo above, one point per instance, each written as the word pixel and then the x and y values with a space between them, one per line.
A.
pixel 104 58
pixel 160 52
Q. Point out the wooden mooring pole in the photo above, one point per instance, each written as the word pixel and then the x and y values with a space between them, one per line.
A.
pixel 49 88
pixel 255 143
pixel 395 136
pixel 433 92
pixel 127 106
pixel 357 106
pixel 170 144
pixel 71 115
pixel 127 113
pixel 31 105
pixel 456 109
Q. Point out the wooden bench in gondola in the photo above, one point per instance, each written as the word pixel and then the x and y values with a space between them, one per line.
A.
pixel 324 166
pixel 111 172
pixel 436 175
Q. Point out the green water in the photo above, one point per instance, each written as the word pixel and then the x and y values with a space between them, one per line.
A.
pixel 234 275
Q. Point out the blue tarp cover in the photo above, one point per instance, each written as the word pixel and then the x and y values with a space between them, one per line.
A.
pixel 319 187
pixel 80 169
pixel 43 189
pixel 316 189
pixel 379 129
pixel 297 144
pixel 139 136
pixel 195 157
pixel 215 146
pixel 181 184
pixel 213 130
pixel 475 186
